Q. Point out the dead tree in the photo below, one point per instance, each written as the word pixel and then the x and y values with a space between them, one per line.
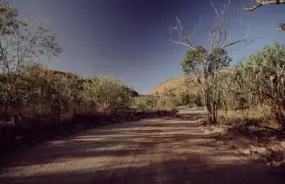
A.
pixel 259 3
pixel 218 40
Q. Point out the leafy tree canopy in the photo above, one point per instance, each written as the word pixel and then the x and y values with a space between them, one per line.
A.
pixel 198 61
pixel 22 41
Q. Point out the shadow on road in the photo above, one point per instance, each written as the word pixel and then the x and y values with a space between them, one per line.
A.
pixel 153 151
pixel 173 172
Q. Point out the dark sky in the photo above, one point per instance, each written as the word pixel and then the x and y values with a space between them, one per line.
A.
pixel 129 39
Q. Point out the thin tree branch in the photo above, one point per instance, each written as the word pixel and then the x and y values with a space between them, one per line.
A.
pixel 259 3
pixel 218 36
pixel 4 58
pixel 181 40
pixel 235 42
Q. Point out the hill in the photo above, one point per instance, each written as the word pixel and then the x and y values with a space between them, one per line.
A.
pixel 179 84
pixel 176 85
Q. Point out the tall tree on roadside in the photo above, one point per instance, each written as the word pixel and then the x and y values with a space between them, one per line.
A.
pixel 20 41
pixel 205 63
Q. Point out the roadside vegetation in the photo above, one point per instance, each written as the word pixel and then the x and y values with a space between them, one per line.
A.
pixel 38 104
pixel 256 81
pixel 247 102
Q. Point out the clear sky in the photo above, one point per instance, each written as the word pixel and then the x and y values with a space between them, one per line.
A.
pixel 129 39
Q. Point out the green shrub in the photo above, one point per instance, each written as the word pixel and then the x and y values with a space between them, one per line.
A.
pixel 141 103
pixel 107 94
pixel 144 103
pixel 262 76
pixel 28 92
pixel 187 99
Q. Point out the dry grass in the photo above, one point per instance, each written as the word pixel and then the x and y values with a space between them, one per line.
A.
pixel 260 113
pixel 251 134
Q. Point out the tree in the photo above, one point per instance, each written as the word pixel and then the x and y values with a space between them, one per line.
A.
pixel 8 20
pixel 20 42
pixel 259 3
pixel 206 62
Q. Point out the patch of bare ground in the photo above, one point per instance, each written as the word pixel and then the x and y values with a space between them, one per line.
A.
pixel 159 150
pixel 31 132
pixel 252 138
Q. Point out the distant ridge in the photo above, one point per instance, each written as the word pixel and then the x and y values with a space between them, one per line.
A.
pixel 179 84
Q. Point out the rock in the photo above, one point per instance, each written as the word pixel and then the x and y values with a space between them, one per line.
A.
pixel 245 151
pixel 282 144
pixel 262 150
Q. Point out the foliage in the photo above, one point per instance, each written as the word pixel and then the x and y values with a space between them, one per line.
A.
pixel 166 101
pixel 205 63
pixel 186 99
pixel 154 102
pixel 36 95
pixel 21 41
pixel 8 20
pixel 193 61
pixel 143 103
pixel 107 94
pixel 262 75
pixel 198 61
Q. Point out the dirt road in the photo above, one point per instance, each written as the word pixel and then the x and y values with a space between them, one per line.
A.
pixel 162 150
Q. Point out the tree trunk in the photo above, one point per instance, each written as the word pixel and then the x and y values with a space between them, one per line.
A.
pixel 279 115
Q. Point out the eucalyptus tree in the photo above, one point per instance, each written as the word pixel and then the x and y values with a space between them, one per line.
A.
pixel 205 63
pixel 20 42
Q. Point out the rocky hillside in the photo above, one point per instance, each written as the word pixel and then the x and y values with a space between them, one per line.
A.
pixel 179 84
pixel 176 85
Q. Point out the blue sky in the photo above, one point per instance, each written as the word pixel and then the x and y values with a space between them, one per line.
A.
pixel 129 39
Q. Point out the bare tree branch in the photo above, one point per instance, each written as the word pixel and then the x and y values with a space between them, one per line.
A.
pixel 246 44
pixel 235 42
pixel 218 36
pixel 182 40
pixel 259 3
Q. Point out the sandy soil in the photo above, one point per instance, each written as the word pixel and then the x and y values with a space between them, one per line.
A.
pixel 161 150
